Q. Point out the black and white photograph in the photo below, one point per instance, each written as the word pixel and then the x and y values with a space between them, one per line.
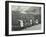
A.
pixel 25 18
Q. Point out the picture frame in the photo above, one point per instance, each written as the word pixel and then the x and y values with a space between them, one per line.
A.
pixel 27 9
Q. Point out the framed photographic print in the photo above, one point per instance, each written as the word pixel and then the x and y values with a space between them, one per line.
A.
pixel 24 18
